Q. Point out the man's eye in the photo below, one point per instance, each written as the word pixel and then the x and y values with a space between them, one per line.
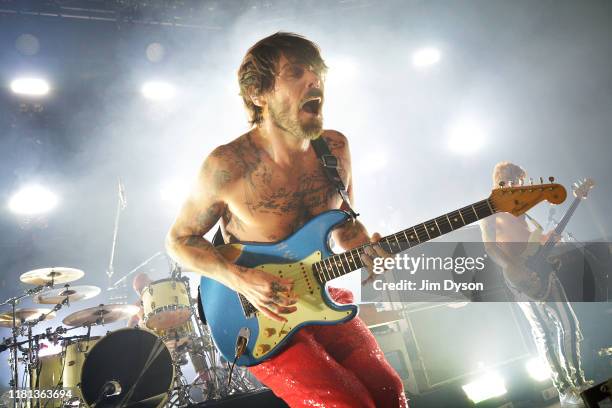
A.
pixel 295 71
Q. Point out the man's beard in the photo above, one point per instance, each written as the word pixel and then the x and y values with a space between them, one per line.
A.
pixel 282 118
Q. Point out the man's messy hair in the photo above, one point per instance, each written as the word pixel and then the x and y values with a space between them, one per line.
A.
pixel 259 66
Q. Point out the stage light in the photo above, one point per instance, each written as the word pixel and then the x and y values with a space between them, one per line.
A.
pixel 488 386
pixel 376 161
pixel 341 68
pixel 31 200
pixel 27 44
pixel 158 91
pixel 174 191
pixel 155 52
pixel 538 369
pixel 425 57
pixel 30 86
pixel 466 137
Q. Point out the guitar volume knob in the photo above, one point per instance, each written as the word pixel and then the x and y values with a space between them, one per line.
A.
pixel 263 348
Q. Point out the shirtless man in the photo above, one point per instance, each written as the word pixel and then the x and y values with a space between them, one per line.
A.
pixel 263 186
pixel 509 240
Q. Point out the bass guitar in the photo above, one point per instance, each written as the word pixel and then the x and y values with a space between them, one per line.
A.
pixel 532 276
pixel 247 337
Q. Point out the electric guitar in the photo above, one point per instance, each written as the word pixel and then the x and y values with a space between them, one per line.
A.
pixel 533 274
pixel 306 258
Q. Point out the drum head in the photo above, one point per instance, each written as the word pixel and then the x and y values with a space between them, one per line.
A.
pixel 136 359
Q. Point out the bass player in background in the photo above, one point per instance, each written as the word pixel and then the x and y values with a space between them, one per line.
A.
pixel 542 299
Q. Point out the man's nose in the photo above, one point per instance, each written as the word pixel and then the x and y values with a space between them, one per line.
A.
pixel 314 80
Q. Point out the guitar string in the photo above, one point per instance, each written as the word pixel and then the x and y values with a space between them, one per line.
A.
pixel 321 279
pixel 479 206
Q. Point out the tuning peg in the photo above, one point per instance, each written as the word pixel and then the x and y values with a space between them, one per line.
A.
pixel 541 180
pixel 502 184
pixel 551 179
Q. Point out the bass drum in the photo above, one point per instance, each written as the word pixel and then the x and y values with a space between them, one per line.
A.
pixel 137 360
pixel 76 354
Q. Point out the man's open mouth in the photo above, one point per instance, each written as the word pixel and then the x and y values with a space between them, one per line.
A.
pixel 312 105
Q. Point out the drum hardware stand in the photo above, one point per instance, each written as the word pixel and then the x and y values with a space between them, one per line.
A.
pixel 180 387
pixel 14 382
pixel 205 348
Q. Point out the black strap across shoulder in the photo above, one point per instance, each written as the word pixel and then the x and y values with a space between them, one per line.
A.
pixel 330 165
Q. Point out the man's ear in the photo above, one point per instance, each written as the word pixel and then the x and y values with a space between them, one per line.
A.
pixel 258 100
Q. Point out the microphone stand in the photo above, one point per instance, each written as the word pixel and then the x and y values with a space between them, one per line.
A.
pixel 121 204
pixel 144 263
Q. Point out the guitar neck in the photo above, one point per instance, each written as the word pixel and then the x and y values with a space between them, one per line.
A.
pixel 563 223
pixel 550 242
pixel 340 264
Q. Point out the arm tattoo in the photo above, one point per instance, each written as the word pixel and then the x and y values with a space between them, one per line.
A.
pixel 210 216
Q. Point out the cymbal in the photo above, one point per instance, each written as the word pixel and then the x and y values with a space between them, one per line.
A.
pixel 73 293
pixel 58 274
pixel 102 314
pixel 22 315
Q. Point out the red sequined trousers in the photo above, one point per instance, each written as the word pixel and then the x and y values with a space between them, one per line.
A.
pixel 339 366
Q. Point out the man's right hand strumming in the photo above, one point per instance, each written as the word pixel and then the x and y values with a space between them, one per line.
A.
pixel 271 295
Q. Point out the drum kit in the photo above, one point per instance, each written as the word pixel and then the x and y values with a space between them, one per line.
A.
pixel 131 366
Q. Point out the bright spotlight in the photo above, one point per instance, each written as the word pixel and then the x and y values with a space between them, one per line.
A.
pixel 174 191
pixel 27 44
pixel 466 137
pixel 158 91
pixel 32 200
pixel 488 386
pixel 425 57
pixel 341 68
pixel 538 369
pixel 30 86
pixel 155 52
pixel 377 160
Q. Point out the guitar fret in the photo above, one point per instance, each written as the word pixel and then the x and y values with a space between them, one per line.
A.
pixel 406 236
pixel 427 232
pixel 348 262
pixel 338 263
pixel 449 222
pixel 357 265
pixel 489 204
pixel 328 268
pixel 345 267
pixel 334 267
pixel 438 227
pixel 416 234
pixel 461 215
pixel 399 246
pixel 324 273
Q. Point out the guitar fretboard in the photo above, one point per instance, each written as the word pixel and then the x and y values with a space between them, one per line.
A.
pixel 340 264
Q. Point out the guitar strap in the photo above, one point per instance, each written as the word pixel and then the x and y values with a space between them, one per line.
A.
pixel 330 165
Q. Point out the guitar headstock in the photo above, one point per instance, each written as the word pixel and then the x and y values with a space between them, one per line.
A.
pixel 581 188
pixel 517 200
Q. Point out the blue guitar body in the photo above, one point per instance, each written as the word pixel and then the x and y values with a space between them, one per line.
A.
pixel 290 258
